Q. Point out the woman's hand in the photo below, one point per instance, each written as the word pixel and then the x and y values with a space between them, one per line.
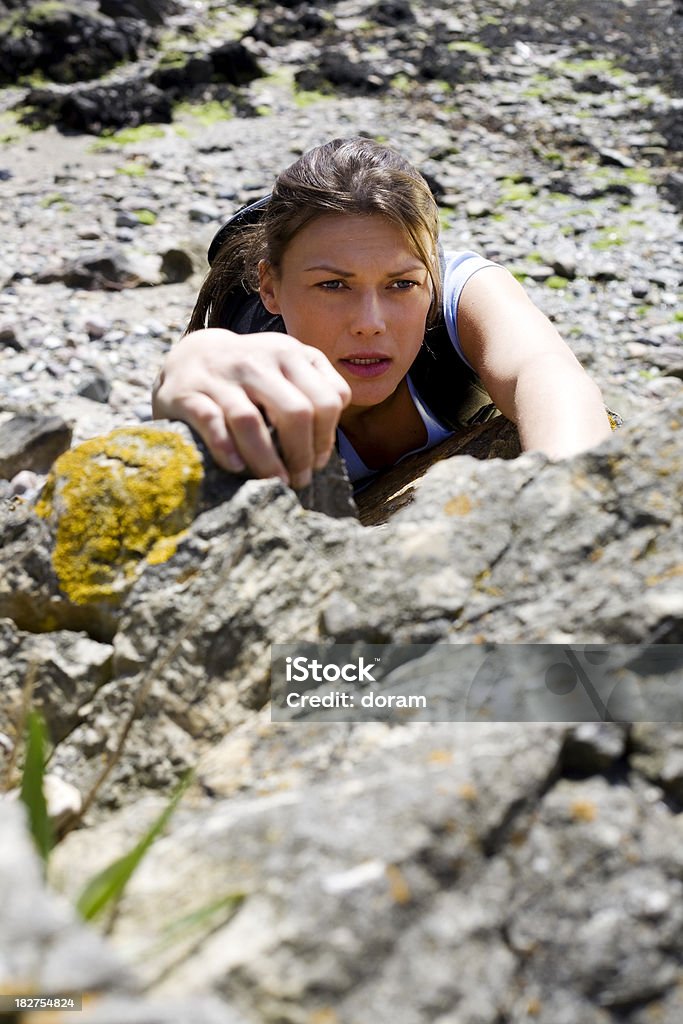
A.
pixel 230 388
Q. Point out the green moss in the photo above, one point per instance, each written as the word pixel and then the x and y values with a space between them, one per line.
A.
pixel 132 170
pixel 637 175
pixel 402 83
pixel 47 9
pixel 308 97
pixel 51 200
pixel 515 192
pixel 534 92
pixel 592 66
pixel 117 502
pixel 466 46
pixel 206 114
pixel 678 316
pixel 556 282
pixel 127 136
pixel 552 157
pixel 609 239
pixel 446 214
pixel 146 216
pixel 56 199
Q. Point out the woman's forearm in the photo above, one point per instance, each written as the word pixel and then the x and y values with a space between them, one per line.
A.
pixel 558 409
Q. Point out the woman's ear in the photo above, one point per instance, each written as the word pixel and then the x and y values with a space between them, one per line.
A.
pixel 268 286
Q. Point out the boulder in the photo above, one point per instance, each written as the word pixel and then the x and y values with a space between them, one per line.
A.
pixel 66 42
pixel 110 269
pixel 152 11
pixel 512 869
pixel 31 442
pixel 96 108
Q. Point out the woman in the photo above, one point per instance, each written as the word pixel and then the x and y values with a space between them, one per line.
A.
pixel 343 268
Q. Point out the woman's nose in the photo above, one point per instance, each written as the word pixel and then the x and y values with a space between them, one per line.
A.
pixel 368 316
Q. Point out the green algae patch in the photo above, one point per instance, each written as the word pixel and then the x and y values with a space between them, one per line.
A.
pixel 117 503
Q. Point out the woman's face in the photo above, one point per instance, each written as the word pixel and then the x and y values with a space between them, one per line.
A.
pixel 351 287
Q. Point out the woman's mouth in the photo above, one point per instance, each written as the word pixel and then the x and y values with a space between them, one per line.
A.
pixel 366 366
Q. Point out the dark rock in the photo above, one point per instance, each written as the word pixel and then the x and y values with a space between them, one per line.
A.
pixel 65 42
pixel 593 747
pixel 97 388
pixel 125 219
pixel 109 269
pixel 437 189
pixel 391 12
pixel 564 265
pixel 9 339
pixel 184 75
pixel 615 158
pixel 204 212
pixel 31 442
pixel 176 266
pixel 152 11
pixel 437 63
pixel 672 188
pixel 277 25
pixel 334 70
pixel 640 289
pixel 233 63
pixel 670 125
pixel 96 108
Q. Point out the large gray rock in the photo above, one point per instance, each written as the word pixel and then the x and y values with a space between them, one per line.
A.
pixel 464 872
pixel 32 442
pixel 46 950
pixel 410 875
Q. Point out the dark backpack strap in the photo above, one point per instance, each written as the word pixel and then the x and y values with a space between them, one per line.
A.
pixel 448 386
pixel 245 216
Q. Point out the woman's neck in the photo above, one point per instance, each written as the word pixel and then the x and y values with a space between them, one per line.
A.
pixel 382 433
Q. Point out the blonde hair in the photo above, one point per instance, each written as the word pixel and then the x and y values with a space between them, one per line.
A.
pixel 344 176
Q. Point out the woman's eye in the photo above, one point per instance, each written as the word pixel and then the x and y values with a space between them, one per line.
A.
pixel 404 285
pixel 331 286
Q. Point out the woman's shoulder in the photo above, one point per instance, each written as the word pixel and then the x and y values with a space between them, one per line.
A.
pixel 458 267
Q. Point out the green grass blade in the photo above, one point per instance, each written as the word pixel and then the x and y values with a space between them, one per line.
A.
pixel 32 778
pixel 107 886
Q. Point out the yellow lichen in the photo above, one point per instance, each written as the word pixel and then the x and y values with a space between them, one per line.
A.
pixel 460 505
pixel 115 501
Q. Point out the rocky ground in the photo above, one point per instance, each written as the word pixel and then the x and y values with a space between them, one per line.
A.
pixel 553 149
pixel 448 872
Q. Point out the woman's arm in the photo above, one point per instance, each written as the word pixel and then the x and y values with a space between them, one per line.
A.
pixel 231 387
pixel 530 373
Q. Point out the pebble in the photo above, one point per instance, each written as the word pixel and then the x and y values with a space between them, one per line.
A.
pixel 97 388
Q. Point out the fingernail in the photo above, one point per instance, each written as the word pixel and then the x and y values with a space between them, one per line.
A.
pixel 301 480
pixel 235 464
